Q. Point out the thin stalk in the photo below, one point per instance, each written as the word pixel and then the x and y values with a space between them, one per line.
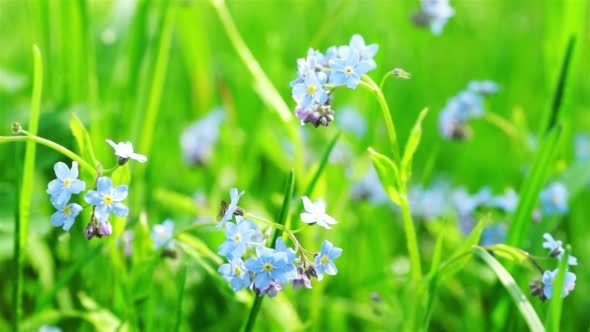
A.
pixel 411 239
pixel 504 125
pixel 249 325
pixel 369 84
pixel 52 145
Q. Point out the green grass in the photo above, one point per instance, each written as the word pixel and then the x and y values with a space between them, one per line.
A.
pixel 145 72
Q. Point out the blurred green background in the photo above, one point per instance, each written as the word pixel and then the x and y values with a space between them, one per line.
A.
pixel 109 63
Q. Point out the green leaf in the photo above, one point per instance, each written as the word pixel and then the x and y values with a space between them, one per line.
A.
pixel 433 277
pixel 82 139
pixel 522 303
pixel 553 318
pixel 412 146
pixel 531 188
pixel 388 174
pixel 576 178
pixel 180 289
pixel 510 253
pixel 462 255
pixel 323 162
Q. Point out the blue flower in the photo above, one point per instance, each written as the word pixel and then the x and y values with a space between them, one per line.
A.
pixel 313 63
pixel 66 184
pixel 494 234
pixel 269 265
pixel 310 91
pixel 198 140
pixel 315 213
pixel 555 248
pixel 290 271
pixel 324 260
pixel 107 199
pixel 582 147
pixel 124 150
pixel 162 234
pixel 466 204
pixel 65 216
pixel 350 120
pixel 236 273
pixel 430 203
pixel 231 208
pixel 272 289
pixel 554 199
pixel 549 278
pixel 365 52
pixel 238 237
pixel 349 71
pixel 369 188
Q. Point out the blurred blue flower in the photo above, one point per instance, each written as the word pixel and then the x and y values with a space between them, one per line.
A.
pixel 66 184
pixel 349 71
pixel 231 208
pixel 430 203
pixel 310 91
pixel 365 52
pixel 369 188
pixel 107 199
pixel 506 202
pixel 271 290
pixel 290 271
pixel 315 213
pixel 48 328
pixel 555 248
pixel 162 234
pixel 554 199
pixel 269 265
pixel 493 234
pixel 237 238
pixel 65 216
pixel 466 204
pixel 236 274
pixel 198 140
pixel 351 121
pixel 548 279
pixel 437 13
pixel 324 260
pixel 301 279
pixel 582 147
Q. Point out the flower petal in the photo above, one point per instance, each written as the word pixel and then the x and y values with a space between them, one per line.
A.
pixel 119 209
pixel 61 170
pixel 104 184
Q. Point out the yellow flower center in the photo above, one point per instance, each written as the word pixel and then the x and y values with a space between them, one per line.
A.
pixel 237 271
pixel 311 89
pixel 267 267
pixel 67 210
pixel 324 259
pixel 107 199
pixel 237 238
pixel 348 69
pixel 67 183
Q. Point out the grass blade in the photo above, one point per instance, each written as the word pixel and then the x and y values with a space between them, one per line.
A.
pixel 21 231
pixel 323 162
pixel 522 303
pixel 180 289
pixel 560 88
pixel 412 146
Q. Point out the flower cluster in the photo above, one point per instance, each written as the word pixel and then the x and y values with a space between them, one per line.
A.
pixel 264 269
pixel 544 287
pixel 319 74
pixel 554 199
pixel 197 141
pixel 434 14
pixel 468 104
pixel 104 198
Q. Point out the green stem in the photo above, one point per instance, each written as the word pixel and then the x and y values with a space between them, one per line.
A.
pixel 369 84
pixel 502 124
pixel 52 145
pixel 411 239
pixel 249 325
pixel 385 77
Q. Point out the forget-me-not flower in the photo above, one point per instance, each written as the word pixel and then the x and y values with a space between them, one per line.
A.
pixel 66 184
pixel 310 91
pixel 549 278
pixel 507 202
pixel 198 140
pixel 107 199
pixel 124 150
pixel 232 208
pixel 315 212
pixel 324 261
pixel 369 188
pixel 236 273
pixel 483 87
pixel 65 216
pixel 493 234
pixel 162 234
pixel 269 265
pixel 430 203
pixel 290 271
pixel 349 71
pixel 237 238
pixel 365 52
pixel 555 248
pixel 351 121
pixel 554 199
pixel 437 12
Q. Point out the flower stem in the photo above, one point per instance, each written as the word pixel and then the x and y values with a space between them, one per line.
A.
pixel 50 144
pixel 504 125
pixel 411 239
pixel 249 325
pixel 369 84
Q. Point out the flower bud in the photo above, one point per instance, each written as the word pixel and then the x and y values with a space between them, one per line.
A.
pixel 16 128
pixel 122 161
pixel 90 231
pixel 398 72
pixel 104 228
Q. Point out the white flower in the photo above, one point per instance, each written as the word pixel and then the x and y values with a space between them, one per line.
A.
pixel 162 234
pixel 315 213
pixel 125 151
